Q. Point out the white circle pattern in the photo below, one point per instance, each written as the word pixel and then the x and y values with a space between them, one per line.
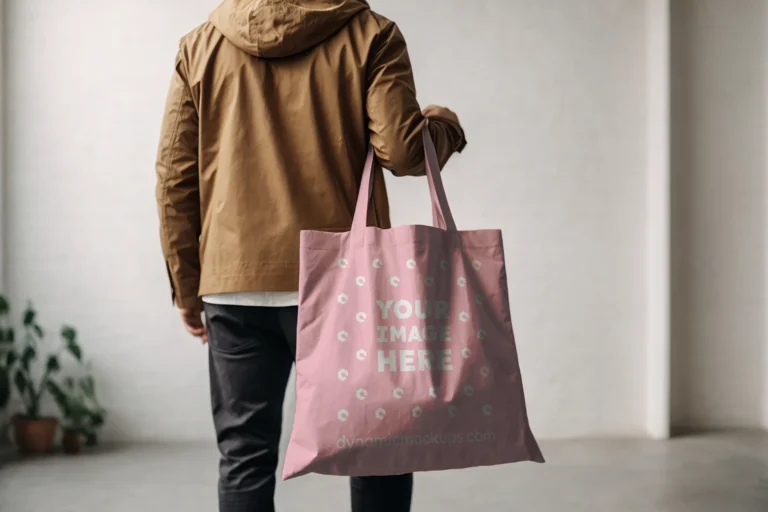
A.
pixel 399 393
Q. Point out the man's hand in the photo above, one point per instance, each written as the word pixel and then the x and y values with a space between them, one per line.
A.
pixel 193 321
pixel 441 112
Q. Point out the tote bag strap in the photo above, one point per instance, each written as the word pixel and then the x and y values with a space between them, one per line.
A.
pixel 441 212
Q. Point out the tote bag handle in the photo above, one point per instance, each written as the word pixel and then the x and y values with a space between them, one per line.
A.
pixel 441 212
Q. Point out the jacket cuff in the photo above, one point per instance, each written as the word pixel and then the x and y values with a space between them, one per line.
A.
pixel 458 132
pixel 187 301
pixel 462 140
pixel 184 292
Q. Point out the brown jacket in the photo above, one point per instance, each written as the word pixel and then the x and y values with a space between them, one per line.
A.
pixel 269 115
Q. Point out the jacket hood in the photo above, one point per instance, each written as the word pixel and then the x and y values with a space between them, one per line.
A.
pixel 279 28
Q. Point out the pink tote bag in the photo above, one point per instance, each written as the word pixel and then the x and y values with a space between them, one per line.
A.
pixel 405 358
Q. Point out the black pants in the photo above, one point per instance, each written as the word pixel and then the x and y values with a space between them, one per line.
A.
pixel 252 350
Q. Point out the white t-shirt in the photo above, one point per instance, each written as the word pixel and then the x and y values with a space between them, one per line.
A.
pixel 260 299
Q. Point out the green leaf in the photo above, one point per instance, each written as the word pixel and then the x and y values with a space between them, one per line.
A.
pixel 69 333
pixel 87 385
pixel 91 439
pixel 61 398
pixel 4 306
pixel 54 388
pixel 97 418
pixel 28 356
pixel 11 358
pixel 53 364
pixel 38 330
pixel 21 382
pixel 5 387
pixel 6 335
pixel 75 350
pixel 70 383
pixel 91 387
pixel 29 316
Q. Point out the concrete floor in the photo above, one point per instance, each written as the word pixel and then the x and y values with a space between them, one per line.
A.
pixel 715 473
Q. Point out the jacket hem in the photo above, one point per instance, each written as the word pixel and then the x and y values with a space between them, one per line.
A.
pixel 286 280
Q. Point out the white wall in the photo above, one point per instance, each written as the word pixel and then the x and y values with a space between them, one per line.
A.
pixel 720 225
pixel 2 147
pixel 552 95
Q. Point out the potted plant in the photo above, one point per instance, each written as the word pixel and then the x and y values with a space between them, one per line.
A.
pixel 82 414
pixel 33 431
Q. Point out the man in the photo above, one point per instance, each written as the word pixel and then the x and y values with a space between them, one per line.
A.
pixel 271 109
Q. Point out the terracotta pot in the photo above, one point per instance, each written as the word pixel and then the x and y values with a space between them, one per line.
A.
pixel 71 442
pixel 34 435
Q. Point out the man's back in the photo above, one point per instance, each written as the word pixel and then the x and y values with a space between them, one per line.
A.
pixel 270 113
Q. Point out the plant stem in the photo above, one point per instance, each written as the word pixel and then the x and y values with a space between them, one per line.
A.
pixel 29 396
pixel 41 388
pixel 29 338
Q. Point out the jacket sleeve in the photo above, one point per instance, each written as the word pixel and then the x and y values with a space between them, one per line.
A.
pixel 395 118
pixel 177 192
